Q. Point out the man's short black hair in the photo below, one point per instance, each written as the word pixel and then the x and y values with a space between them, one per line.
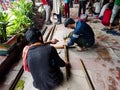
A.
pixel 68 21
pixel 32 35
pixel 110 5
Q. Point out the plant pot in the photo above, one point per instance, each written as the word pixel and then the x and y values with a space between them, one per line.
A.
pixel 7 47
pixel 13 56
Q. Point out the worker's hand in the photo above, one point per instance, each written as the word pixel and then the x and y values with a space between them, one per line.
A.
pixel 64 43
pixel 54 41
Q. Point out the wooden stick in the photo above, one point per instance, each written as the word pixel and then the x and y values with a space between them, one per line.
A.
pixel 62 47
pixel 47 36
pixel 51 33
pixel 66 53
pixel 15 81
pixel 68 72
pixel 43 30
pixel 87 75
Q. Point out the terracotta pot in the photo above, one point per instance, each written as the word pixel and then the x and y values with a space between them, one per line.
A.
pixel 6 62
pixel 6 47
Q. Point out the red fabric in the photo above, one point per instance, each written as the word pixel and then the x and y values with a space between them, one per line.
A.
pixel 24 57
pixel 106 17
pixel 76 1
pixel 67 11
pixel 44 2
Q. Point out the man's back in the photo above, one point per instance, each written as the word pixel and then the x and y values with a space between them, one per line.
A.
pixel 44 63
pixel 84 30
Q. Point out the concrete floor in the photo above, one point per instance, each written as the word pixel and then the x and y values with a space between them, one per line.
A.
pixel 103 64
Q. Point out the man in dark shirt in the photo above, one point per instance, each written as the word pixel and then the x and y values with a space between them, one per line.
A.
pixel 44 63
pixel 83 34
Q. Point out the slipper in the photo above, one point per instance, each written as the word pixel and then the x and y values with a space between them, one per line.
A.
pixel 106 29
pixel 81 49
pixel 110 29
pixel 78 49
pixel 113 32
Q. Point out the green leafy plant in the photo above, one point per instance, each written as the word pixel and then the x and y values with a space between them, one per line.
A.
pixel 20 85
pixel 23 15
pixel 4 23
pixel 21 12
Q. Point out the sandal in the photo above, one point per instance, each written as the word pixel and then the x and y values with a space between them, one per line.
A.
pixel 81 49
pixel 106 29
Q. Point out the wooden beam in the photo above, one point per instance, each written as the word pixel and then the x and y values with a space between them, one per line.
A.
pixel 15 81
pixel 44 30
pixel 91 86
pixel 51 33
pixel 68 68
pixel 47 36
pixel 62 46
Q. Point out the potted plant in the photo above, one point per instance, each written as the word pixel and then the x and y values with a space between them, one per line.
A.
pixel 20 12
pixel 4 23
pixel 23 15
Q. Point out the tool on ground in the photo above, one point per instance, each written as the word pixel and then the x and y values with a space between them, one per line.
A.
pixel 87 75
pixel 62 46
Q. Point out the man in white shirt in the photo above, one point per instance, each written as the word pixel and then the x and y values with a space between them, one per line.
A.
pixel 97 7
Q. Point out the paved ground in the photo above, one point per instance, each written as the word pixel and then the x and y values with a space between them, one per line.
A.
pixel 102 61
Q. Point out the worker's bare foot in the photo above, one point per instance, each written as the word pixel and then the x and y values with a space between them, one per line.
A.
pixel 81 48
pixel 110 27
pixel 84 49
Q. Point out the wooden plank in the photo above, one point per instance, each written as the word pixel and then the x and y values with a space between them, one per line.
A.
pixel 12 86
pixel 47 36
pixel 51 33
pixel 62 46
pixel 44 30
pixel 91 86
pixel 68 67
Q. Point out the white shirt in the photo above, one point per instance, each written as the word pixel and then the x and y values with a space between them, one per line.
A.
pixel 103 9
pixel 97 7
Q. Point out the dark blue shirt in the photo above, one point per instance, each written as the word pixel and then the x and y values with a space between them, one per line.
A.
pixel 82 29
pixel 44 63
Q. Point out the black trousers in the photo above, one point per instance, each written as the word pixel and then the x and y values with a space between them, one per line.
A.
pixel 71 3
pixel 82 5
